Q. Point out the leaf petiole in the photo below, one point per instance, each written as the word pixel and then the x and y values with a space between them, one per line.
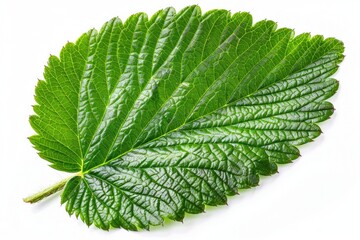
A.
pixel 47 191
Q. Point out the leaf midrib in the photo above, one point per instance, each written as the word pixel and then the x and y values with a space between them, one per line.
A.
pixel 176 129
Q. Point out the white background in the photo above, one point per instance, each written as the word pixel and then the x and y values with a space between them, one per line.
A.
pixel 317 197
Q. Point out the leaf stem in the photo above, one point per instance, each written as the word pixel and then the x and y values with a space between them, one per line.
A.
pixel 47 191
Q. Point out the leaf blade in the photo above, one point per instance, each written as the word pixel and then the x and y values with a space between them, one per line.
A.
pixel 163 116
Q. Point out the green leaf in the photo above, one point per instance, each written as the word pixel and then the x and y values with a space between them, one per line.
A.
pixel 163 116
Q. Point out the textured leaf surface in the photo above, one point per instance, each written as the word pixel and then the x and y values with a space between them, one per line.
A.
pixel 165 115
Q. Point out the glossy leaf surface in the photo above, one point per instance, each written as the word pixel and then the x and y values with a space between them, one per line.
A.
pixel 167 114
